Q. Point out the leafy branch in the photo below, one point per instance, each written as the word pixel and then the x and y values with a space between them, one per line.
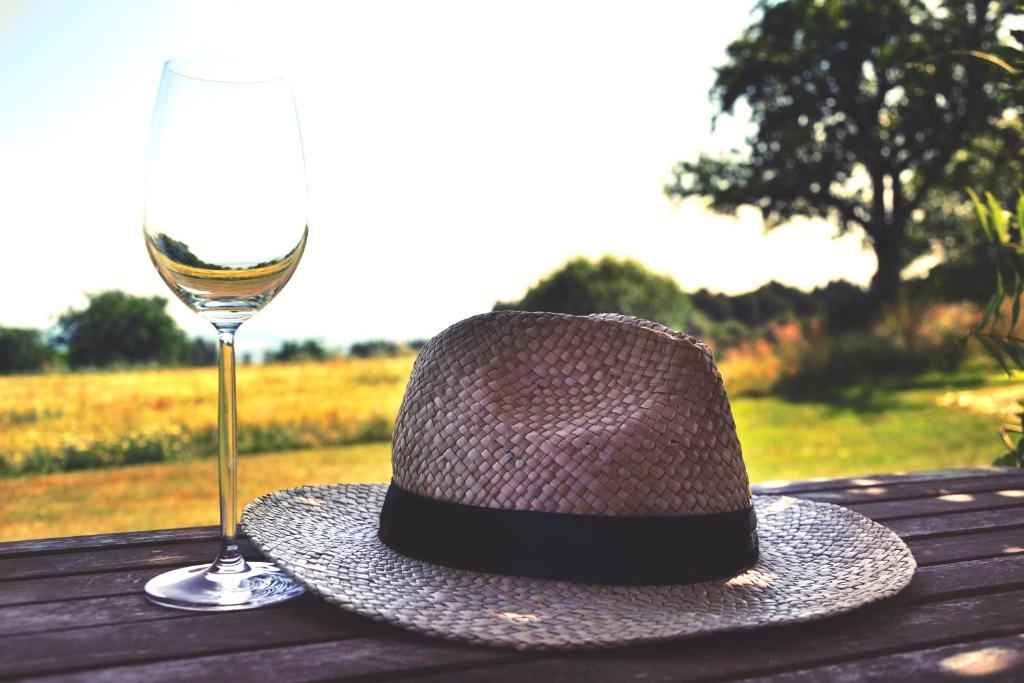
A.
pixel 1002 230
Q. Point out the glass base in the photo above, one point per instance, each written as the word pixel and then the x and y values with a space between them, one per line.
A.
pixel 254 584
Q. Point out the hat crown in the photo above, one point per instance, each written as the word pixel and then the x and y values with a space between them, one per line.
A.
pixel 599 415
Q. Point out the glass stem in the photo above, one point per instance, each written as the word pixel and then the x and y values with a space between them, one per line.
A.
pixel 230 559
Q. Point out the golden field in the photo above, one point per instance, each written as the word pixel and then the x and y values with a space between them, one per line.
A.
pixel 169 495
pixel 314 423
pixel 54 423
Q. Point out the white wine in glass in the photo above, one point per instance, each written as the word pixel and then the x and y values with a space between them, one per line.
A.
pixel 225 225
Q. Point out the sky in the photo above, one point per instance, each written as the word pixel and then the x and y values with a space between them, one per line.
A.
pixel 456 152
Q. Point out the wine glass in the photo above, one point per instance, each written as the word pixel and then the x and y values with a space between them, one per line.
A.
pixel 225 225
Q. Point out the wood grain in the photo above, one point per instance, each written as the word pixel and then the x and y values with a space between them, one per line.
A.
pixel 990 659
pixel 870 632
pixel 957 522
pixel 888 510
pixel 51 588
pixel 94 542
pixel 918 489
pixel 173 636
pixel 116 558
pixel 355 658
pixel 967 546
pixel 866 480
pixel 72 609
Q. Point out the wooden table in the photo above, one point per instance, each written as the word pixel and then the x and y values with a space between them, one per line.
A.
pixel 73 608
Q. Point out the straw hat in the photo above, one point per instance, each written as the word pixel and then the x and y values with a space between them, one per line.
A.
pixel 566 482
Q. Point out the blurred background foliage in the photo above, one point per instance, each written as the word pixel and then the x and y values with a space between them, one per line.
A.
pixel 582 287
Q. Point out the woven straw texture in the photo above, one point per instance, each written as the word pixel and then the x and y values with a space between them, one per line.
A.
pixel 816 560
pixel 600 415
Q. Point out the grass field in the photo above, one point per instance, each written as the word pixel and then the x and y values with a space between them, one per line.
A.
pixel 167 495
pixel 857 431
pixel 54 423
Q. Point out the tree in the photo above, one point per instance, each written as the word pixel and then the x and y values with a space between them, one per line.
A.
pixel 120 328
pixel 200 351
pixel 374 348
pixel 837 301
pixel 610 285
pixel 294 351
pixel 865 112
pixel 23 350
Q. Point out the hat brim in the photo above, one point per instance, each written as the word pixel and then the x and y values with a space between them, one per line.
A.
pixel 816 560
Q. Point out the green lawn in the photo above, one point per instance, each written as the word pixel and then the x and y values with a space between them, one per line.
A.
pixel 895 429
pixel 857 431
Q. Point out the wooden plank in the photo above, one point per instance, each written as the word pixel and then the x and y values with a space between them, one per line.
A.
pixel 397 653
pixel 918 489
pixel 129 583
pixel 953 578
pixel 946 525
pixel 97 541
pixel 991 659
pixel 112 559
pixel 124 556
pixel 930 584
pixel 872 631
pixel 303 620
pixel 52 616
pixel 335 660
pixel 55 588
pixel 967 546
pixel 961 579
pixel 885 510
pixel 90 561
pixel 865 480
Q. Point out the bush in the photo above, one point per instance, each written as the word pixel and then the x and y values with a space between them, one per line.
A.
pixel 610 285
pixel 378 348
pixel 752 368
pixel 200 352
pixel 294 352
pixel 23 350
pixel 909 339
pixel 808 357
pixel 729 334
pixel 121 329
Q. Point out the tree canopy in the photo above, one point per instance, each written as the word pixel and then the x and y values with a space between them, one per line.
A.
pixel 23 350
pixel 120 328
pixel 610 285
pixel 297 351
pixel 775 301
pixel 871 113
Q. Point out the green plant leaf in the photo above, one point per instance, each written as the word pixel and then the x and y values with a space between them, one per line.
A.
pixel 994 59
pixel 982 214
pixel 1015 311
pixel 990 308
pixel 1013 351
pixel 1020 214
pixel 1007 439
pixel 1005 460
pixel 997 218
pixel 1000 295
pixel 995 353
